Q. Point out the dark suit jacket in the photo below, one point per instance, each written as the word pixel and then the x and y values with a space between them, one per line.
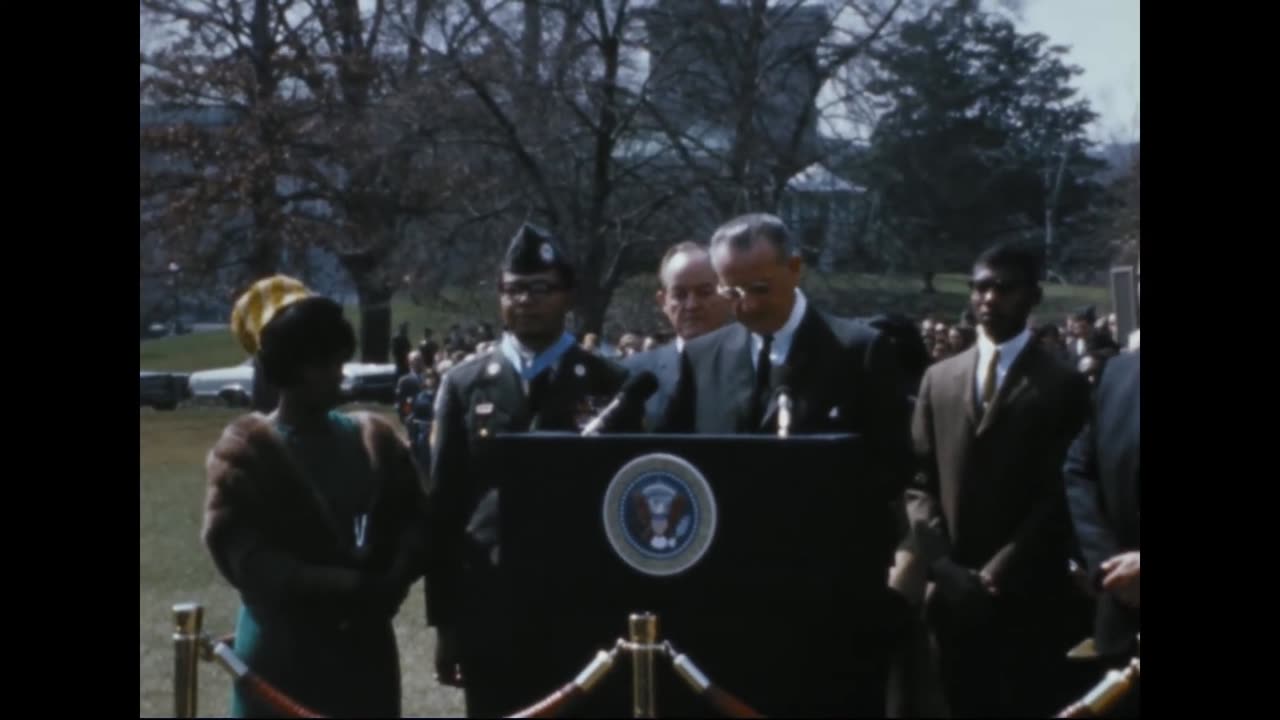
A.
pixel 401 346
pixel 843 376
pixel 989 492
pixel 663 362
pixel 1104 490
pixel 1099 341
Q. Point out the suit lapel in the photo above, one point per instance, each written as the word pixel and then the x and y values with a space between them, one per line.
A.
pixel 968 384
pixel 735 369
pixel 809 347
pixel 564 389
pixel 668 374
pixel 1015 383
pixel 667 368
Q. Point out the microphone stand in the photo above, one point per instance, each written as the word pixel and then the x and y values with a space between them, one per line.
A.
pixel 784 412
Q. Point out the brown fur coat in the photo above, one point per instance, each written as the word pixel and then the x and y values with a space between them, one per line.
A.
pixel 273 538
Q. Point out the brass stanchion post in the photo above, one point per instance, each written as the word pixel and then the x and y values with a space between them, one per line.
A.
pixel 188 619
pixel 644 638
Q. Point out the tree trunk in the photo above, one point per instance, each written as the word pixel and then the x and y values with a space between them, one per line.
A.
pixel 375 322
pixel 928 289
pixel 374 294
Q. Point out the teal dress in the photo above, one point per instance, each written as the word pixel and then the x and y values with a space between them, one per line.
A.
pixel 341 667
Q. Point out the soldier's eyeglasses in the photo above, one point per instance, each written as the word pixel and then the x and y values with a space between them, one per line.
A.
pixel 536 288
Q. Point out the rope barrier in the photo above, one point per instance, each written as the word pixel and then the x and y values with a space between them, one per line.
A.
pixel 192 646
pixel 221 653
pixel 584 683
pixel 725 702
pixel 1106 694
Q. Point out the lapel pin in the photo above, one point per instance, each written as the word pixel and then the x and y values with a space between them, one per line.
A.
pixel 492 369
pixel 835 413
pixel 580 370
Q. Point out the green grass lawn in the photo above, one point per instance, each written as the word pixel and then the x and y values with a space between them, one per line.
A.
pixel 854 294
pixel 174 567
pixel 863 294
pixel 203 351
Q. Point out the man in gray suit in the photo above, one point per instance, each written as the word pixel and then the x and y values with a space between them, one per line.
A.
pixel 687 295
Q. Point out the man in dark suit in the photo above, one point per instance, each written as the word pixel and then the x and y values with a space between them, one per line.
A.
pixel 1085 338
pixel 537 378
pixel 687 296
pixel 842 376
pixel 913 355
pixel 428 348
pixel 409 385
pixel 1104 492
pixel 987 510
pixel 400 347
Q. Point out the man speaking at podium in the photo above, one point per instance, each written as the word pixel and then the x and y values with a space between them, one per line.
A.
pixel 840 375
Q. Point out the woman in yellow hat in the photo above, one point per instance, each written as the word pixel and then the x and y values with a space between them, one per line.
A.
pixel 315 516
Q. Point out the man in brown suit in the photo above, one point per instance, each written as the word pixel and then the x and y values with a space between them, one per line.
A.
pixel 987 509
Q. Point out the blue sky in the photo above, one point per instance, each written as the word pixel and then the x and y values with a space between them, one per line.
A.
pixel 1104 39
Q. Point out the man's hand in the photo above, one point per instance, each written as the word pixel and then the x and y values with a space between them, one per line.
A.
pixel 969 593
pixel 988 583
pixel 1122 575
pixel 448 669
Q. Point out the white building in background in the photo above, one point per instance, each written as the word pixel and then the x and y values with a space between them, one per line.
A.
pixel 821 208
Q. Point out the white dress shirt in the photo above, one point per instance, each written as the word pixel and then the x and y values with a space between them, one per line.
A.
pixel 1009 351
pixel 781 339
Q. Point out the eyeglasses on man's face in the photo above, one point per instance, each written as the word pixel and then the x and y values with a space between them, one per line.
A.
pixel 734 292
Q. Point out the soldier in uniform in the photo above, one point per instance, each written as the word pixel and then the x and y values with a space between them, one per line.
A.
pixel 536 378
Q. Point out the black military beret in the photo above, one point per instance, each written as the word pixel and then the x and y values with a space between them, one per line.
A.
pixel 535 250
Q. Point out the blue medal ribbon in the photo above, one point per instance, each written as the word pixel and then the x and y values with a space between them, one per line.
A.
pixel 541 362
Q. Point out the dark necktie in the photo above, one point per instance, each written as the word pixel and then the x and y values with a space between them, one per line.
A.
pixel 760 396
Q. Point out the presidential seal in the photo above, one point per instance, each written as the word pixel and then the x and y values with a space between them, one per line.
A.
pixel 659 514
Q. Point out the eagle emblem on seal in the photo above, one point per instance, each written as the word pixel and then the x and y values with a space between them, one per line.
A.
pixel 659 514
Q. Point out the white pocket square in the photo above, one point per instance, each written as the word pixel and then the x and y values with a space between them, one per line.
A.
pixel 835 413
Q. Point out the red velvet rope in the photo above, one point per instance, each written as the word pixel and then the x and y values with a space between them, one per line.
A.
pixel 551 705
pixel 729 705
pixel 282 703
pixel 265 691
